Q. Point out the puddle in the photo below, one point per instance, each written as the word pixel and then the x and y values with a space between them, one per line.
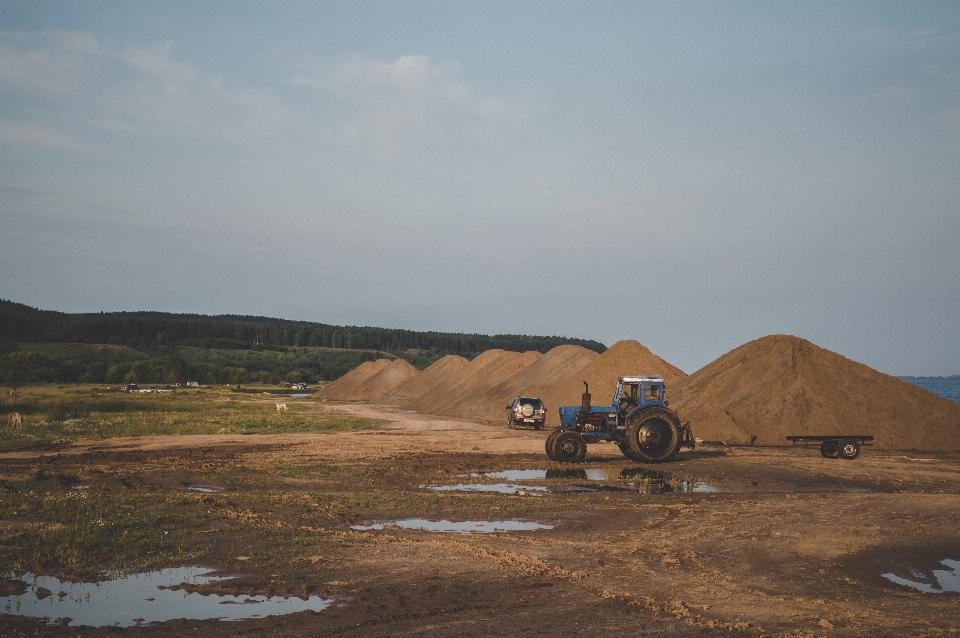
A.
pixel 300 395
pixel 946 580
pixel 499 488
pixel 208 489
pixel 143 598
pixel 80 487
pixel 646 481
pixel 519 475
pixel 463 527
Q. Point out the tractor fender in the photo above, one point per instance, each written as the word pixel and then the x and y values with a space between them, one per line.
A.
pixel 653 408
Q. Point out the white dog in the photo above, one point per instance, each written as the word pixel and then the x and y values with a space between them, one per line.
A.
pixel 281 407
pixel 15 421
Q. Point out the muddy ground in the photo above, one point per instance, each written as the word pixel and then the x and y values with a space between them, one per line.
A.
pixel 773 541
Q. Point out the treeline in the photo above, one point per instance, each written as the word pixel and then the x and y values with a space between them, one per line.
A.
pixel 156 331
pixel 211 367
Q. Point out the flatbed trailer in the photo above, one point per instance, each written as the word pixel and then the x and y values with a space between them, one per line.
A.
pixel 845 446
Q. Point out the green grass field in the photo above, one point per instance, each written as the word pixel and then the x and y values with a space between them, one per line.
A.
pixel 56 414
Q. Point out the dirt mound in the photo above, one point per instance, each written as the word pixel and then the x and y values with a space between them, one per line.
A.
pixel 415 387
pixel 535 380
pixel 346 387
pixel 484 372
pixel 386 380
pixel 621 359
pixel 782 385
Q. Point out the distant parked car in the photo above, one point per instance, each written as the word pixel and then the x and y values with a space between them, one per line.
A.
pixel 526 411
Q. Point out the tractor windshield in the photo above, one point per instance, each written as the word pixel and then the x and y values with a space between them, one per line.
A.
pixel 651 392
pixel 629 395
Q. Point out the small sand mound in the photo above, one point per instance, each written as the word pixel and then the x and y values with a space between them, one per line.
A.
pixel 346 387
pixel 624 358
pixel 484 372
pixel 534 380
pixel 415 387
pixel 386 380
pixel 782 385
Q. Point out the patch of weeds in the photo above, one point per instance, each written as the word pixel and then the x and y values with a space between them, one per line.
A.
pixel 296 470
pixel 83 533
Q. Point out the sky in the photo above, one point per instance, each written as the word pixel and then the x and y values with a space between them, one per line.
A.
pixel 692 175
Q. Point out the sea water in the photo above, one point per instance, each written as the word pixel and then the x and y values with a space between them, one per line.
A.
pixel 946 387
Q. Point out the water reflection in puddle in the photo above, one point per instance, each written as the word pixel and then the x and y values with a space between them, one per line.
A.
pixel 462 527
pixel 648 481
pixel 300 395
pixel 143 598
pixel 207 489
pixel 946 580
pixel 499 488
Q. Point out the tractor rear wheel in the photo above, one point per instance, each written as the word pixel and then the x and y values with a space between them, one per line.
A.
pixel 653 435
pixel 625 448
pixel 549 444
pixel 830 449
pixel 849 449
pixel 569 447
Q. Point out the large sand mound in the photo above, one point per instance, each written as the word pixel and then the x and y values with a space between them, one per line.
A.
pixel 535 380
pixel 782 385
pixel 624 358
pixel 346 387
pixel 484 372
pixel 415 387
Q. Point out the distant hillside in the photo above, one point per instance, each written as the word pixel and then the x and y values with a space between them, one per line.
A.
pixel 149 331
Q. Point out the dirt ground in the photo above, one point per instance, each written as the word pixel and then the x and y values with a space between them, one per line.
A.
pixel 751 541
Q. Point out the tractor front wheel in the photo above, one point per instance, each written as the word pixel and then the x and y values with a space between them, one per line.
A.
pixel 569 447
pixel 653 435
pixel 549 444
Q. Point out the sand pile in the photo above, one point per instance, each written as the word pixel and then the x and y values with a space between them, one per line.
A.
pixel 415 387
pixel 480 389
pixel 344 388
pixel 535 380
pixel 368 380
pixel 624 358
pixel 484 372
pixel 782 385
pixel 393 375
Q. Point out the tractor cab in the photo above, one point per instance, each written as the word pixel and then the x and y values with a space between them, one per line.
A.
pixel 638 392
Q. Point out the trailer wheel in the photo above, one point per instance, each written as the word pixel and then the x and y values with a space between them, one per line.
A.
pixel 849 449
pixel 830 449
pixel 653 435
pixel 569 447
pixel 549 444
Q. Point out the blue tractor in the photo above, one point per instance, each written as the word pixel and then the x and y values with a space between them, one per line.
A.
pixel 639 421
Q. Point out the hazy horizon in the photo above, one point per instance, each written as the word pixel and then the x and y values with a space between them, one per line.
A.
pixel 690 175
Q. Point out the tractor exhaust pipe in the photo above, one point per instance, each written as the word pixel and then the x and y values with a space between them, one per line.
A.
pixel 585 399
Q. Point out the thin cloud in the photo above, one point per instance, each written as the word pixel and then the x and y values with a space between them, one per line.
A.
pixel 133 90
pixel 394 104
pixel 36 136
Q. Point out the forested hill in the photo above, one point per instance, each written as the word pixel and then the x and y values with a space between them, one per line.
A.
pixel 149 331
